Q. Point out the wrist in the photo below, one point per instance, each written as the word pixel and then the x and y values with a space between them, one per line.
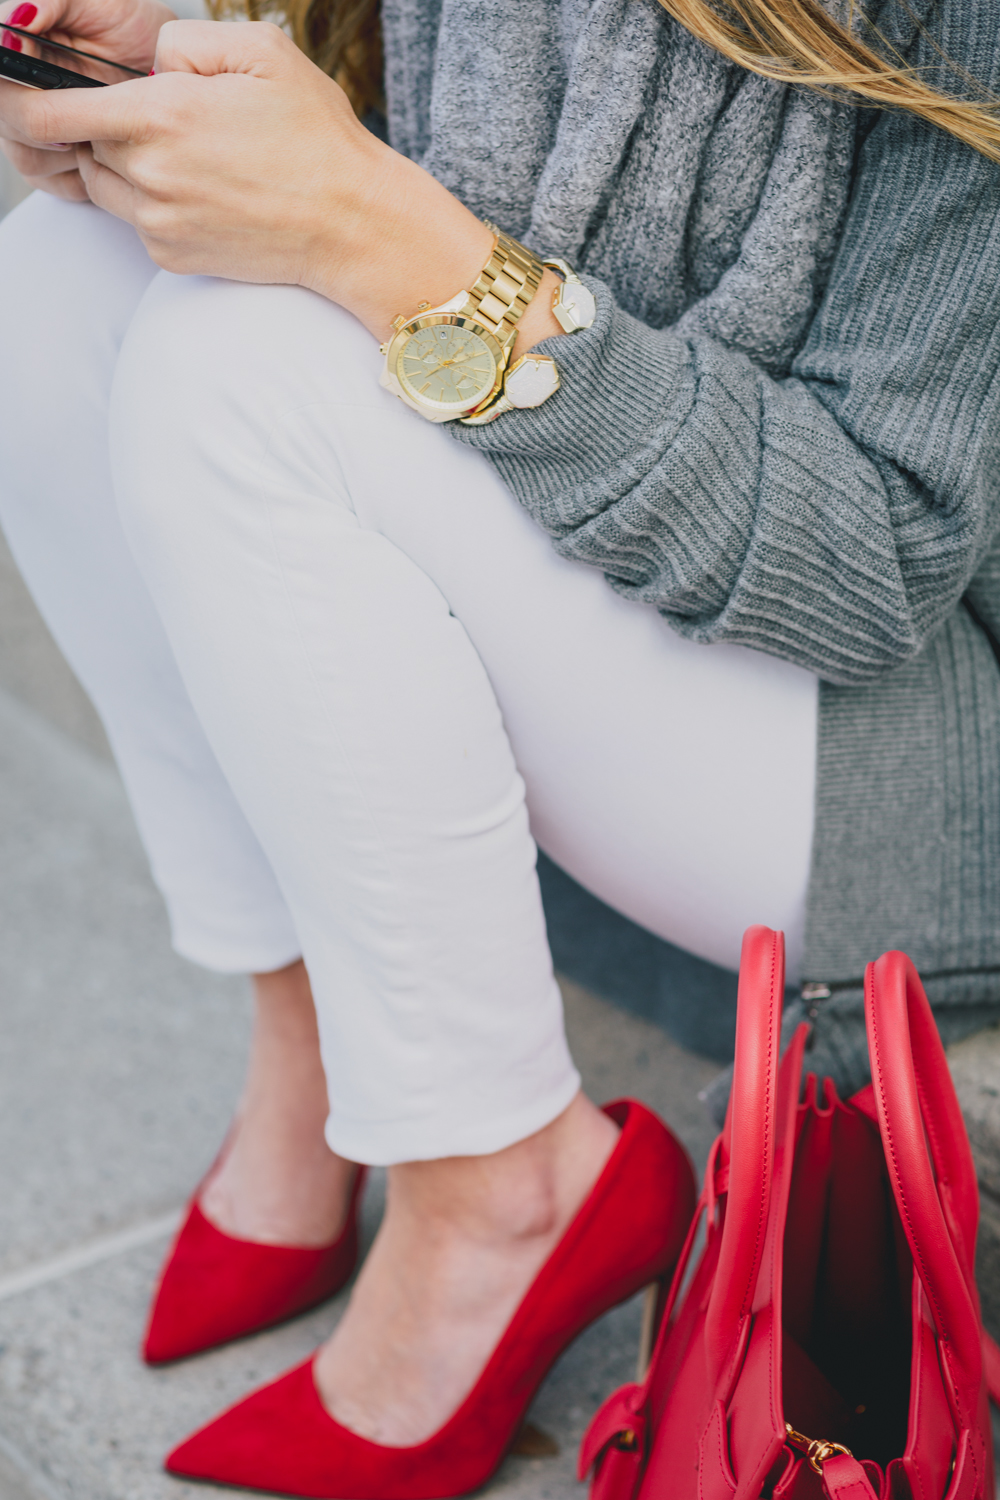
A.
pixel 538 321
pixel 405 241
pixel 402 240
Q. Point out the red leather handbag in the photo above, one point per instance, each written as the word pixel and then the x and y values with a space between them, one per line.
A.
pixel 829 1342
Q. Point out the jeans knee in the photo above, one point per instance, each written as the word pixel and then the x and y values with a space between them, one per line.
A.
pixel 177 388
pixel 205 362
pixel 206 371
pixel 209 371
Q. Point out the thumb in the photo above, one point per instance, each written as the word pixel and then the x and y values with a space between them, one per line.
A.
pixel 208 47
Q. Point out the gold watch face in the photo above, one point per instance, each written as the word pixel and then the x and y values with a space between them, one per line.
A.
pixel 447 366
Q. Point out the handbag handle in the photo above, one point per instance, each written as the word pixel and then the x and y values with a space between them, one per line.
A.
pixel 929 1162
pixel 748 1137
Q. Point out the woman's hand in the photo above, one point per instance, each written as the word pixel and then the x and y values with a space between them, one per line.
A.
pixel 241 159
pixel 123 30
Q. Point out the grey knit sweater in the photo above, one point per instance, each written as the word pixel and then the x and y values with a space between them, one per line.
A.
pixel 784 428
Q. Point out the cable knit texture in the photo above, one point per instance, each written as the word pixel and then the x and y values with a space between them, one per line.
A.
pixel 784 428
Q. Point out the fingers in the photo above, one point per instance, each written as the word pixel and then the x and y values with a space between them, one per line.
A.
pixel 36 162
pixel 128 111
pixel 41 16
pixel 123 30
pixel 39 117
pixel 145 170
pixel 107 190
pixel 65 184
pixel 68 185
pixel 223 47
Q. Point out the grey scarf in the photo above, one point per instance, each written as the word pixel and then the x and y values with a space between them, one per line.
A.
pixel 566 121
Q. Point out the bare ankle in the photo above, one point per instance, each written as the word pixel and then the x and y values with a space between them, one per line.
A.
pixel 529 1190
pixel 278 1182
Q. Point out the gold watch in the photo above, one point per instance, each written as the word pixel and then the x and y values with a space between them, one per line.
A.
pixel 449 362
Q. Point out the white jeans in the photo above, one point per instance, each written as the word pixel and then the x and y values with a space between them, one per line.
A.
pixel 347 679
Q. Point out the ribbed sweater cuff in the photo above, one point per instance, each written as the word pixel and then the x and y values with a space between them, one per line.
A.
pixel 626 389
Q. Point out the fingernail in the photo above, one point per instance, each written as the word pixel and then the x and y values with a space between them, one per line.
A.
pixel 152 73
pixel 23 15
pixel 11 41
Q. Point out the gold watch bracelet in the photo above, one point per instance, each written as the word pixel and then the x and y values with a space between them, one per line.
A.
pixel 505 287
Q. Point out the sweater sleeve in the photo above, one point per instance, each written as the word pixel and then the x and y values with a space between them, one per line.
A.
pixel 833 518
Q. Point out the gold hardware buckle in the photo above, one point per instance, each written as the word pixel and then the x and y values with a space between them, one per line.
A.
pixel 817 1450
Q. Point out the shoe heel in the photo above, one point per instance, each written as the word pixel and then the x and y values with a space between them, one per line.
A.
pixel 652 1314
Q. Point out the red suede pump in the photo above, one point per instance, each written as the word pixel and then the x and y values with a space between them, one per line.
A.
pixel 628 1232
pixel 214 1287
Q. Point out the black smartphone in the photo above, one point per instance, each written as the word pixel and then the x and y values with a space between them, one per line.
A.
pixel 42 64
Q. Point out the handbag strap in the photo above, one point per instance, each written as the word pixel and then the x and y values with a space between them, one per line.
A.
pixel 930 1165
pixel 748 1137
pixel 845 1479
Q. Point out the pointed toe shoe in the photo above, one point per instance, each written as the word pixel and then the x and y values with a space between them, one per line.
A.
pixel 627 1234
pixel 214 1288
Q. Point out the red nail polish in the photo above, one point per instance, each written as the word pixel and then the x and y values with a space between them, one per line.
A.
pixel 23 15
pixel 152 72
pixel 8 39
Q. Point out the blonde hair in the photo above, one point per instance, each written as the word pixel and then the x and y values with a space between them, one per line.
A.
pixel 792 41
pixel 798 42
